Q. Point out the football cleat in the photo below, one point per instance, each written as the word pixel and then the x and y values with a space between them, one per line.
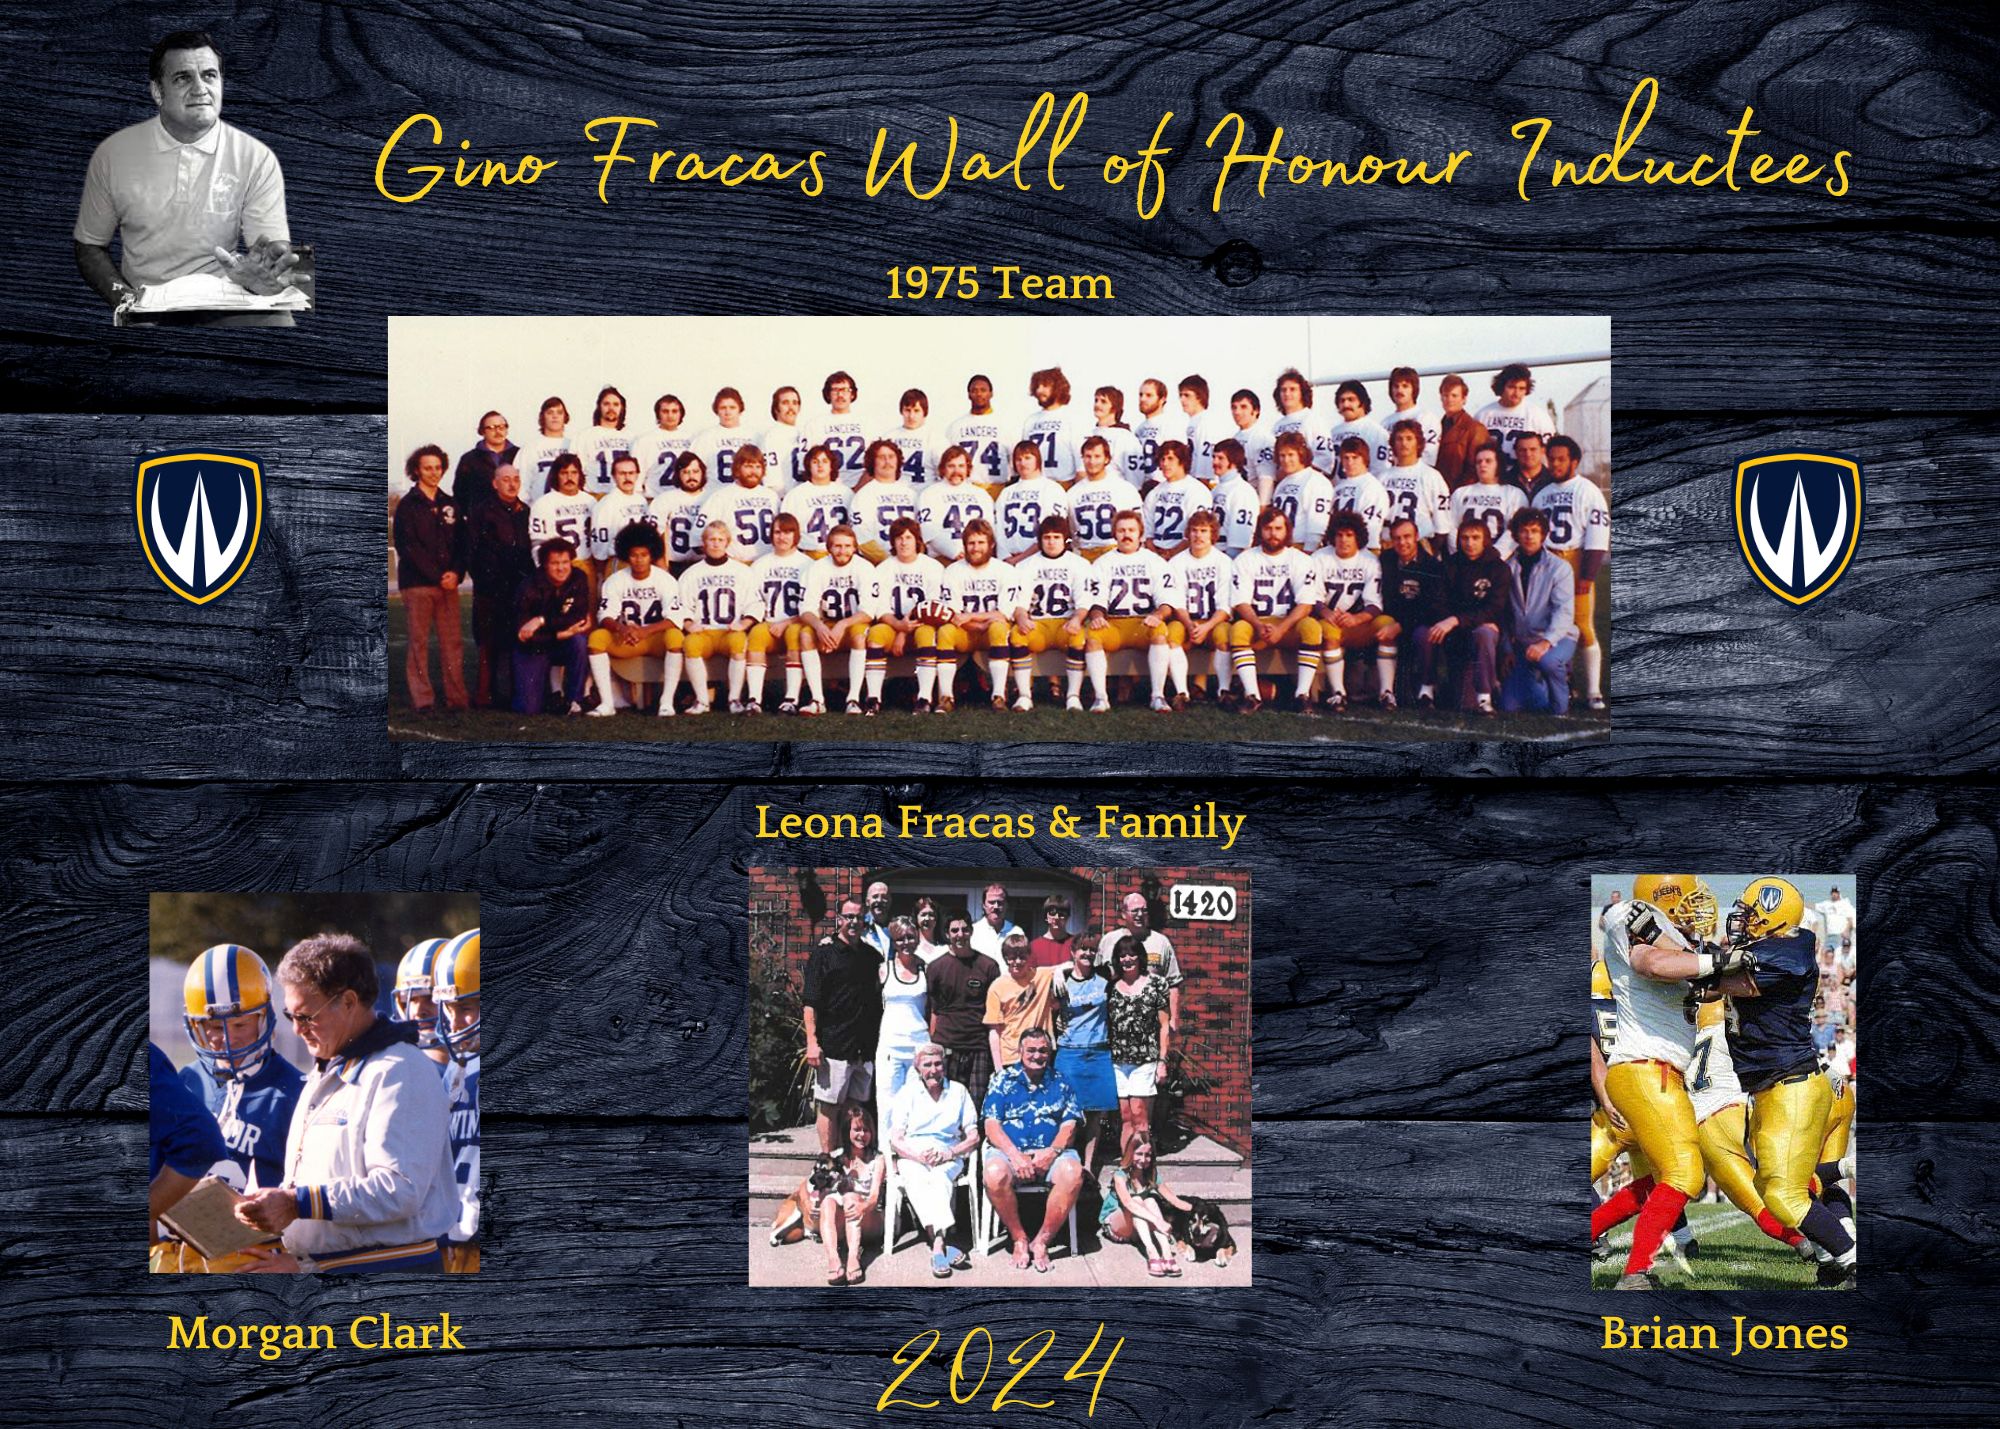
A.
pixel 1600 1249
pixel 788 707
pixel 871 707
pixel 1249 705
pixel 1426 700
pixel 945 705
pixel 457 990
pixel 737 706
pixel 854 707
pixel 1337 701
pixel 1160 705
pixel 225 983
pixel 1692 1250
pixel 1180 702
pixel 666 709
pixel 1768 908
pixel 603 711
pixel 812 707
pixel 1000 703
pixel 1635 1280
pixel 413 981
pixel 1101 707
pixel 1387 699
pixel 1596 702
pixel 751 707
pixel 923 707
pixel 1074 705
pixel 1024 704
pixel 700 707
pixel 574 708
pixel 1835 1276
pixel 1673 1249
pixel 1311 710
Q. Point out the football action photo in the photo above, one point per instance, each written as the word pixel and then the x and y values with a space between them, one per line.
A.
pixel 999 1078
pixel 315 1083
pixel 959 529
pixel 1722 1146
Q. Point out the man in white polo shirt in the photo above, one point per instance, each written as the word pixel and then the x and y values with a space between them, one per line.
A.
pixel 180 190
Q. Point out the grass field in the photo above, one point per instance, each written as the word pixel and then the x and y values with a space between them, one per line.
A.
pixel 968 725
pixel 1735 1255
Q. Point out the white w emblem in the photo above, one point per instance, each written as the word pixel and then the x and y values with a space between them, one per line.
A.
pixel 177 527
pixel 180 556
pixel 1801 564
pixel 1798 523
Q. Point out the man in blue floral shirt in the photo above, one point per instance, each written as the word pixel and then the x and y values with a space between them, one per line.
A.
pixel 1031 1115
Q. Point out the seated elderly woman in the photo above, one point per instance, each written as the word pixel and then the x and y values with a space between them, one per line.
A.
pixel 932 1129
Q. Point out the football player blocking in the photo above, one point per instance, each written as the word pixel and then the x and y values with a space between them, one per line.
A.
pixel 1701 1048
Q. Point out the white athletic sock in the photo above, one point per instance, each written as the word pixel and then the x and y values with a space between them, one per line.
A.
pixel 670 675
pixel 857 672
pixel 756 677
pixel 997 666
pixel 739 666
pixel 1308 672
pixel 794 674
pixel 1073 680
pixel 1159 659
pixel 1335 665
pixel 600 671
pixel 1024 677
pixel 1593 671
pixel 1423 690
pixel 947 678
pixel 697 672
pixel 809 667
pixel 1385 668
pixel 1247 675
pixel 875 673
pixel 1220 666
pixel 926 676
pixel 1098 664
pixel 1177 668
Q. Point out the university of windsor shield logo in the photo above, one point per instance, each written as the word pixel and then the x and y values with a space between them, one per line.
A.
pixel 199 517
pixel 1798 519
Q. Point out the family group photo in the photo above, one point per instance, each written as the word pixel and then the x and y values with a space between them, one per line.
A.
pixel 1035 1077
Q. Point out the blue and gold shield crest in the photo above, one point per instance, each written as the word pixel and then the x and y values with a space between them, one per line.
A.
pixel 199 514
pixel 1798 520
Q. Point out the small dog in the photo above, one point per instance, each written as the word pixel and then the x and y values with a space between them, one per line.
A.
pixel 1200 1232
pixel 798 1215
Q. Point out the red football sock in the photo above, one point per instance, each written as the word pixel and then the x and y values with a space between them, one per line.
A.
pixel 1622 1206
pixel 1662 1209
pixel 1775 1229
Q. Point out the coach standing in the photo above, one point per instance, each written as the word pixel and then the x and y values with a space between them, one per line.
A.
pixel 430 562
pixel 472 481
pixel 843 1017
pixel 180 190
pixel 497 555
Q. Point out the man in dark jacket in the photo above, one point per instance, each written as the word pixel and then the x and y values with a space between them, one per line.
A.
pixel 1477 588
pixel 1413 595
pixel 497 555
pixel 553 611
pixel 430 562
pixel 1459 434
pixel 472 483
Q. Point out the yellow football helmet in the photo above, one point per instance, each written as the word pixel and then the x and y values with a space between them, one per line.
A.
pixel 1768 908
pixel 225 982
pixel 455 979
pixel 1688 902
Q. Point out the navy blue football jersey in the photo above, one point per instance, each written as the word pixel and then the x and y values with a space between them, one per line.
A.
pixel 255 1116
pixel 461 1080
pixel 1772 1038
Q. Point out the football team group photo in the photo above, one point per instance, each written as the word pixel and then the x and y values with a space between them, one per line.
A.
pixel 967 529
pixel 999 1078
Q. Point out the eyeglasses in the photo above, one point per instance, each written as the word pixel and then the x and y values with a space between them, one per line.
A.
pixel 307 1019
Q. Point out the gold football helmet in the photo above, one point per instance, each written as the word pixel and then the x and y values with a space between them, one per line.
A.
pixel 1768 908
pixel 1685 899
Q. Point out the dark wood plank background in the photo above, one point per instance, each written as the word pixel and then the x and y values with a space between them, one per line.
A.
pixel 1419 1042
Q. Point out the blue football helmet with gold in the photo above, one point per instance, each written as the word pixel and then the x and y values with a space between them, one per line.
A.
pixel 226 999
pixel 1768 908
pixel 456 987
pixel 414 995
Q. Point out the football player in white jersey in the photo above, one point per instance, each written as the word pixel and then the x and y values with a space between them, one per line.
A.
pixel 819 503
pixel 677 511
pixel 1404 387
pixel 913 439
pixel 1054 428
pixel 1650 953
pixel 1305 496
pixel 1235 499
pixel 1350 607
pixel 1205 578
pixel 746 506
pixel 720 443
pixel 982 595
pixel 1416 491
pixel 615 510
pixel 1156 424
pixel 1359 490
pixel 605 442
pixel 1205 428
pixel 978 432
pixel 1276 588
pixel 1352 401
pixel 1260 457
pixel 638 614
pixel 1175 497
pixel 950 504
pixel 1108 406
pixel 564 511
pixel 1096 498
pixel 1023 507
pixel 1293 395
pixel 908 585
pixel 660 448
pixel 840 429
pixel 785 442
pixel 883 500
pixel 1055 595
pixel 718 607
pixel 537 457
pixel 1131 595
pixel 1579 532
pixel 1490 499
pixel 780 579
pixel 839 610
pixel 1512 415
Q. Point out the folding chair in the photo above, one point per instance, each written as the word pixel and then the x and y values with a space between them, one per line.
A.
pixel 990 1227
pixel 892 1198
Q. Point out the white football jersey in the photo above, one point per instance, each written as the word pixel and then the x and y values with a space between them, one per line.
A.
pixel 1273 585
pixel 1351 584
pixel 640 602
pixel 717 594
pixel 1418 493
pixel 657 452
pixel 785 445
pixel 1367 498
pixel 1429 418
pixel 1132 585
pixel 981 437
pixel 1506 424
pixel 1054 589
pixel 990 589
pixel 748 513
pixel 1020 511
pixel 1169 505
pixel 836 592
pixel 920 452
pixel 678 515
pixel 1125 452
pixel 902 586
pixel 845 435
pixel 880 505
pixel 556 515
pixel 1206 583
pixel 1651 1023
pixel 819 509
pixel 613 512
pixel 718 447
pixel 1310 425
pixel 1712 1082
pixel 1495 505
pixel 600 447
pixel 781 583
pixel 1579 519
pixel 1259 457
pixel 1205 429
pixel 1237 507
pixel 1370 431
pixel 1306 498
pixel 536 458
pixel 945 511
pixel 1165 425
pixel 1059 433
pixel 1093 505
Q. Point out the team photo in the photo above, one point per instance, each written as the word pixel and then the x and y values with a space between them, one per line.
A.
pixel 1722 1071
pixel 999 1077
pixel 967 529
pixel 315 1083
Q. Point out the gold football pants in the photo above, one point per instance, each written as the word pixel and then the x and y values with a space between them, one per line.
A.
pixel 1653 1099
